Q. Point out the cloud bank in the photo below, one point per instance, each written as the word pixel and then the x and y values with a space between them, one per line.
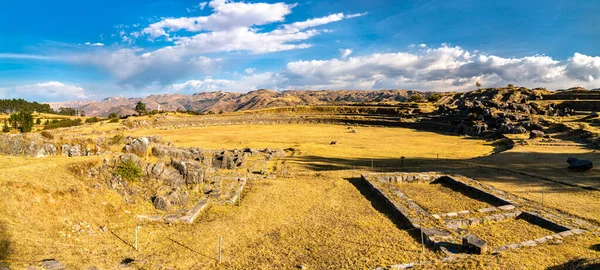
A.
pixel 445 68
pixel 49 91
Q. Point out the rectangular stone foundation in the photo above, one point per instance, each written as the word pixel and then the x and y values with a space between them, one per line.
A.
pixel 440 230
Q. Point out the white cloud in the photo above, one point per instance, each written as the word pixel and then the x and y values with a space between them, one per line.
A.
pixel 436 69
pixel 250 70
pixel 422 45
pixel 583 67
pixel 48 91
pixel 131 68
pixel 98 44
pixel 344 53
pixel 443 68
pixel 26 56
pixel 243 84
pixel 227 15
pixel 202 5
pixel 230 28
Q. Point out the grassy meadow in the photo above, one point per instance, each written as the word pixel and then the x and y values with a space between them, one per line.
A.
pixel 315 213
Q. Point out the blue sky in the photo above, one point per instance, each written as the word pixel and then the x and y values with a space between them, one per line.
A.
pixel 68 50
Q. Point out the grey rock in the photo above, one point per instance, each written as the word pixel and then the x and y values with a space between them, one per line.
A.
pixel 161 203
pixel 132 157
pixel 52 264
pixel 158 169
pixel 47 149
pixel 536 134
pixel 579 164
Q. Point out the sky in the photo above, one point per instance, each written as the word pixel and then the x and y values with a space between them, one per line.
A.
pixel 84 50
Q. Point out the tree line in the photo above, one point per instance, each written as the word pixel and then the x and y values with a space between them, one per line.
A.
pixel 21 105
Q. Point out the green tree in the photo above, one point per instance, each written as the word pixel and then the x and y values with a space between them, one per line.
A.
pixel 5 128
pixel 26 122
pixel 478 84
pixel 67 111
pixel 13 119
pixel 416 97
pixel 434 98
pixel 113 116
pixel 38 121
pixel 140 108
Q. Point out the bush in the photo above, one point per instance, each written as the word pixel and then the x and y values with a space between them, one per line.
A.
pixel 47 135
pixel 38 121
pixel 113 116
pixel 92 120
pixel 117 139
pixel 434 98
pixel 62 123
pixel 416 97
pixel 129 171
pixel 114 120
pixel 5 128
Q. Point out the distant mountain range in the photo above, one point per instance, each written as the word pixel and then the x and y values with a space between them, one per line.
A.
pixel 229 102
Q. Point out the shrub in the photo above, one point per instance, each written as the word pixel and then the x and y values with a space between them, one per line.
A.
pixel 416 97
pixel 434 98
pixel 92 120
pixel 47 135
pixel 62 123
pixel 128 170
pixel 114 120
pixel 117 139
pixel 5 128
pixel 38 121
pixel 113 115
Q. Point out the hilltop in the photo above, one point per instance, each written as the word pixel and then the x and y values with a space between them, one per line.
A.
pixel 231 101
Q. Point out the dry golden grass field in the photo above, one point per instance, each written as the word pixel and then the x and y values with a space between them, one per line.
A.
pixel 315 212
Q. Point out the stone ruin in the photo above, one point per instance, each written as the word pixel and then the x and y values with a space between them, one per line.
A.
pixel 178 176
pixel 35 145
pixel 449 232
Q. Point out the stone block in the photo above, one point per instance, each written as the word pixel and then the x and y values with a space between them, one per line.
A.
pixel 171 218
pixel 474 244
pixel 514 246
pixel 506 207
pixel 565 233
pixel 541 240
pixel 474 221
pixel 489 209
pixel 529 243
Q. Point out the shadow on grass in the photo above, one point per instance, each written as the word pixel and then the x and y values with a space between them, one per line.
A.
pixel 578 264
pixel 382 207
pixel 190 249
pixel 122 240
pixel 517 167
pixel 5 247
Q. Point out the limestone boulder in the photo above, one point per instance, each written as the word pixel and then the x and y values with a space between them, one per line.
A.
pixel 161 203
pixel 131 157
pixel 536 134
pixel 172 177
pixel 47 149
